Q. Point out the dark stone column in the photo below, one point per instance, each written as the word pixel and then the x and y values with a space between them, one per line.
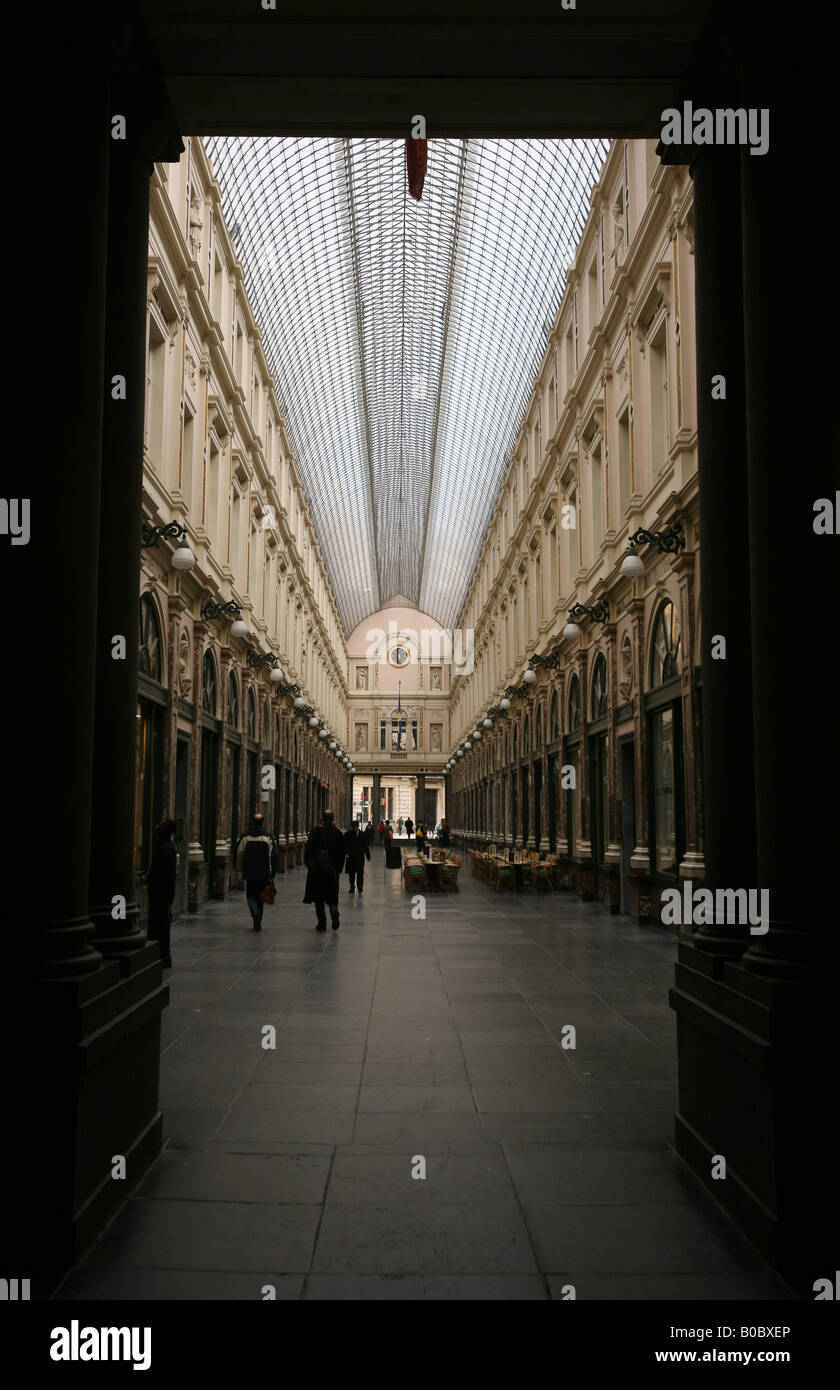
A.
pixel 757 1040
pixel 728 768
pixel 149 134
pixel 93 1032
pixel 375 796
pixel 419 799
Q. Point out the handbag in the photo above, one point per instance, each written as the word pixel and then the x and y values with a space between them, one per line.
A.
pixel 269 892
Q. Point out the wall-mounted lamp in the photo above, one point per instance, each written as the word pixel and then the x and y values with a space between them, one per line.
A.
pixel 670 541
pixel 230 609
pixel 266 659
pixel 182 557
pixel 599 612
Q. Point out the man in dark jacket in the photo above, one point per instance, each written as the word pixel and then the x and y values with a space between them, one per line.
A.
pixel 369 833
pixel 256 860
pixel 324 858
pixel 160 882
pixel 357 850
pixel 409 826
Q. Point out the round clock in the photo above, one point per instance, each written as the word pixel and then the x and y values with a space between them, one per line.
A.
pixel 398 657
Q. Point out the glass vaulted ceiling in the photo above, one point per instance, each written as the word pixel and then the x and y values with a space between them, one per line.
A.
pixel 404 337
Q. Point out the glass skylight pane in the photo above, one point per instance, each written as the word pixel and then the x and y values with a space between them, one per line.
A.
pixel 403 337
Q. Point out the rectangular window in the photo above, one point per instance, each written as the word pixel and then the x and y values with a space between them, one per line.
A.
pixel 577 359
pixel 659 440
pixel 155 382
pixel 570 358
pixel 211 514
pixel 624 488
pixel 597 501
pixel 218 286
pixel 187 458
pixel 592 285
pixel 554 576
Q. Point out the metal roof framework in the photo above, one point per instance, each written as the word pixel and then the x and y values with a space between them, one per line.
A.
pixel 403 336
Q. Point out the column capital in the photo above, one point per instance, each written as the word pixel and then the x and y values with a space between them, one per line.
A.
pixel 151 127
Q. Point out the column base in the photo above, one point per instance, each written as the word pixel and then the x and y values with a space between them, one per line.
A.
pixel 692 866
pixel 98 1038
pixel 758 1087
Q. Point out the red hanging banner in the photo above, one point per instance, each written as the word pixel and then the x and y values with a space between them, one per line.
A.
pixel 415 165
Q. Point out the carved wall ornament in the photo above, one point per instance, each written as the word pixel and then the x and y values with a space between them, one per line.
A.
pixel 184 666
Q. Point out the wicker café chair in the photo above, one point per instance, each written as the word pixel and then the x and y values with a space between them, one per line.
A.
pixel 503 873
pixel 449 871
pixel 540 873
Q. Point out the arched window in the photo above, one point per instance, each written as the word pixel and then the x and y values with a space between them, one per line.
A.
pixel 233 702
pixel 266 723
pixel 574 706
pixel 208 684
pixel 599 687
pixel 538 729
pixel 277 735
pixel 553 719
pixel 515 742
pixel 665 648
pixel 150 650
pixel 252 715
pixel 526 737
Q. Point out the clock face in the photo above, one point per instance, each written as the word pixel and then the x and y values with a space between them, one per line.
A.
pixel 399 656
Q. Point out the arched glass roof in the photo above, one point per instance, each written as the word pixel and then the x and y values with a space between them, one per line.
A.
pixel 404 336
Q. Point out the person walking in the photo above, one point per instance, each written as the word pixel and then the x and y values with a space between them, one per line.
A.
pixel 421 839
pixel 409 826
pixel 369 833
pixel 400 826
pixel 444 832
pixel 160 882
pixel 256 860
pixel 324 859
pixel 356 849
pixel 382 832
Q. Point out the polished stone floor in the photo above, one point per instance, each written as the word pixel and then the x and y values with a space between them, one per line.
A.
pixel 401 1042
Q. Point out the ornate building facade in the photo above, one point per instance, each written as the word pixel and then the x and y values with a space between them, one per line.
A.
pixel 400 665
pixel 594 755
pixel 217 738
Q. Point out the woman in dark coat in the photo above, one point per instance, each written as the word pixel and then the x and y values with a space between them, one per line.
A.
pixel 357 849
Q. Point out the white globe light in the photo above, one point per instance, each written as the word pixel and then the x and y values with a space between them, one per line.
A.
pixel 477 734
pixel 504 704
pixel 571 630
pixel 333 745
pixel 631 565
pixel 530 676
pixel 183 558
pixel 313 723
pixel 239 628
pixel 488 723
pixel 299 702
pixel 460 752
pixel 276 673
pixel 322 733
pixel 467 743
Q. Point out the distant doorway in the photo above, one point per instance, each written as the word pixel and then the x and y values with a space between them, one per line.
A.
pixel 627 792
pixel 552 803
